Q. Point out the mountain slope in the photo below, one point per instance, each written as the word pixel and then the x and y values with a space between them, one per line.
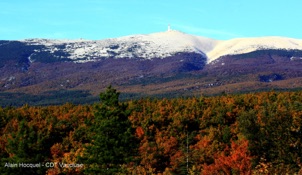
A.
pixel 156 45
pixel 246 45
pixel 168 63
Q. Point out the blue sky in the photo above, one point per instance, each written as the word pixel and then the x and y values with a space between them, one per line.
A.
pixel 100 19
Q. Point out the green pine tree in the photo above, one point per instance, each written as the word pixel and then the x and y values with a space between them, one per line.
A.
pixel 111 134
pixel 24 146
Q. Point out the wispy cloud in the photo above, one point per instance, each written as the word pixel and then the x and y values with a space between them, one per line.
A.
pixel 194 29
pixel 207 31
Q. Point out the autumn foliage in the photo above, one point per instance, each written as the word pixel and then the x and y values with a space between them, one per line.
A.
pixel 234 160
pixel 255 133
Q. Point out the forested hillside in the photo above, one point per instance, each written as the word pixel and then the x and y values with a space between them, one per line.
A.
pixel 255 133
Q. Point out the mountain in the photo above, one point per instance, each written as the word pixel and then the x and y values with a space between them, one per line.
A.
pixel 171 63
pixel 156 45
pixel 246 45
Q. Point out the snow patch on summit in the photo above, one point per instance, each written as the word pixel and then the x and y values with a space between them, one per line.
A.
pixel 246 45
pixel 155 45
pixel 161 45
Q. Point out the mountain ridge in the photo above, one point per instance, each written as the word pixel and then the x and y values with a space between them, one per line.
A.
pixel 168 63
pixel 161 45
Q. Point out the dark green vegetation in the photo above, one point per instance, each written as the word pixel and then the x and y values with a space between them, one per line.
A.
pixel 10 99
pixel 46 98
pixel 114 143
pixel 16 51
pixel 254 133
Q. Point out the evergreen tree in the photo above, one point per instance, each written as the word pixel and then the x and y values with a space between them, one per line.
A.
pixel 112 140
pixel 25 148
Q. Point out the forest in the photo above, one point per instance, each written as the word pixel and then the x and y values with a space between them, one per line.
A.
pixel 252 133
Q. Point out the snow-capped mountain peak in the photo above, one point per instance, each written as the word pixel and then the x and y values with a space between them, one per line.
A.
pixel 246 45
pixel 160 45
pixel 148 46
pixel 164 44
